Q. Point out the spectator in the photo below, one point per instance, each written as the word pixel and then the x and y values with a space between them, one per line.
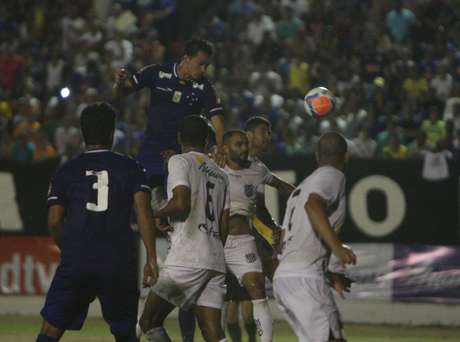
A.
pixel 259 26
pixel 42 147
pixel 22 149
pixel 394 149
pixel 399 23
pixel 434 128
pixel 418 147
pixel 289 25
pixel 363 146
pixel 442 83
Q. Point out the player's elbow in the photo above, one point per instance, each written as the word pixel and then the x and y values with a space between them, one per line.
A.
pixel 183 209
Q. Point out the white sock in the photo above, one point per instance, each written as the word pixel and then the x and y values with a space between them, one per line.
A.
pixel 223 340
pixel 158 334
pixel 263 319
pixel 138 330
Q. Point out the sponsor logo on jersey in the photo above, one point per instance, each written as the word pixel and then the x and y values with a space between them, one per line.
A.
pixel 251 257
pixel 177 96
pixel 198 85
pixel 249 190
pixel 211 172
pixel 163 74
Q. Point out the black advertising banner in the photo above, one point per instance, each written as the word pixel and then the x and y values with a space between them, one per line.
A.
pixel 30 187
pixel 389 201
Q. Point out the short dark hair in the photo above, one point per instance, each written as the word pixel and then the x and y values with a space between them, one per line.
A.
pixel 230 133
pixel 193 46
pixel 256 121
pixel 98 123
pixel 332 145
pixel 194 131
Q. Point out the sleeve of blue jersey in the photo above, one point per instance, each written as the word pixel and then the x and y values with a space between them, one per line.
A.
pixel 144 78
pixel 140 179
pixel 212 102
pixel 56 192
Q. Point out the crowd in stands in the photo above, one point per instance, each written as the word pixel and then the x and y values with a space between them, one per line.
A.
pixel 394 66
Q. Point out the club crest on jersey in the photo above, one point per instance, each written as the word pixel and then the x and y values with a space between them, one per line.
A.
pixel 249 190
pixel 198 85
pixel 177 96
pixel 251 257
pixel 163 74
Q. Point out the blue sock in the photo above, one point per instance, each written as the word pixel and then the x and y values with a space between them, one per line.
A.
pixel 187 325
pixel 45 338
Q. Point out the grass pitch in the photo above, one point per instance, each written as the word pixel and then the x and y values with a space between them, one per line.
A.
pixel 25 328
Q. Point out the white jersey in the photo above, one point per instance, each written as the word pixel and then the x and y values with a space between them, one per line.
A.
pixel 244 185
pixel 304 253
pixel 196 241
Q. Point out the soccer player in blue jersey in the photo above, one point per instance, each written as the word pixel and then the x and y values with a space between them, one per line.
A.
pixel 176 90
pixel 89 207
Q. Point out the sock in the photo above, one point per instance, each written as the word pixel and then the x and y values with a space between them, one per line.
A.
pixel 223 340
pixel 158 334
pixel 263 319
pixel 187 325
pixel 138 330
pixel 234 331
pixel 126 338
pixel 251 331
pixel 45 338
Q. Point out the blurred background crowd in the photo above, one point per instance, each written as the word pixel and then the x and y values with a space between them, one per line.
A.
pixel 394 66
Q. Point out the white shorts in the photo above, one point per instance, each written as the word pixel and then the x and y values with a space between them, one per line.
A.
pixel 186 286
pixel 309 308
pixel 241 255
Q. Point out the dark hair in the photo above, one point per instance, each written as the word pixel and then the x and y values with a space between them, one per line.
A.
pixel 194 131
pixel 193 46
pixel 256 121
pixel 332 145
pixel 230 133
pixel 97 123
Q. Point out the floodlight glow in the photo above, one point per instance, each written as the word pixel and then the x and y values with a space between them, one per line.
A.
pixel 65 92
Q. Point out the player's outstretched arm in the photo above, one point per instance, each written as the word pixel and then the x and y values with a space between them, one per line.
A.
pixel 178 206
pixel 123 86
pixel 316 211
pixel 147 231
pixel 218 122
pixel 282 186
pixel 56 215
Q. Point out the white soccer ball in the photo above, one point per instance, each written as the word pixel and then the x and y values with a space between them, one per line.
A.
pixel 319 102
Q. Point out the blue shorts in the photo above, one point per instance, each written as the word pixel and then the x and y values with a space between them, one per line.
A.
pixel 72 291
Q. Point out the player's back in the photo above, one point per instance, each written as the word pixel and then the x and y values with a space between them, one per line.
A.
pixel 196 240
pixel 96 189
pixel 303 251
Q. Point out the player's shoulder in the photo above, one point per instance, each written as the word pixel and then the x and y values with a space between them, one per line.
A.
pixel 258 166
pixel 325 175
pixel 328 171
pixel 126 160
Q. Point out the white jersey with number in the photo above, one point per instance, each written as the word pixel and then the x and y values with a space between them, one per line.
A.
pixel 244 185
pixel 304 253
pixel 196 241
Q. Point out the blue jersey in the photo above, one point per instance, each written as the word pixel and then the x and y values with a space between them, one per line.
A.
pixel 97 190
pixel 171 99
